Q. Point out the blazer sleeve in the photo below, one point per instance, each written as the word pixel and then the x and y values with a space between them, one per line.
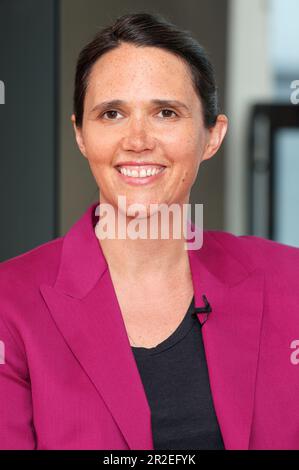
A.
pixel 16 415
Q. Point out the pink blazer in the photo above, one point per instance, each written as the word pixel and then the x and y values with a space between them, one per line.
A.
pixel 68 378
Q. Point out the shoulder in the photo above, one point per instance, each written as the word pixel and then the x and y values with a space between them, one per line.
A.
pixel 258 248
pixel 28 270
pixel 278 260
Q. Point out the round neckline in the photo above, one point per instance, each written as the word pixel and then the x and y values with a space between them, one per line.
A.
pixel 180 332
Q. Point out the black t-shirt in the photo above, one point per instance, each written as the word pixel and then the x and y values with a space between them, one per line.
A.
pixel 176 382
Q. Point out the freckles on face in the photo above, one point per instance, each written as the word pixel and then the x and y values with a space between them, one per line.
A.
pixel 137 130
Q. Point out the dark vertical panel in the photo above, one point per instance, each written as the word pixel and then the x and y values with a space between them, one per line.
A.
pixel 28 124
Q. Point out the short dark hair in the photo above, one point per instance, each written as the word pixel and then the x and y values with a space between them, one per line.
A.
pixel 153 30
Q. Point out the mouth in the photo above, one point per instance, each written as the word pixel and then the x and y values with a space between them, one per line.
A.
pixel 140 174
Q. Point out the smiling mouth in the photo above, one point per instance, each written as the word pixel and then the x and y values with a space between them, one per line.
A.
pixel 140 171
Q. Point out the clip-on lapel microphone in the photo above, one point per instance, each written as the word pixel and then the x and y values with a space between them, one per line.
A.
pixel 206 309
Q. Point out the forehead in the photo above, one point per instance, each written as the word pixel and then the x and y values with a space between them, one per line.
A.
pixel 147 70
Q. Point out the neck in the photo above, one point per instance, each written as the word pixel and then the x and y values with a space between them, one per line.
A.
pixel 145 257
pixel 140 257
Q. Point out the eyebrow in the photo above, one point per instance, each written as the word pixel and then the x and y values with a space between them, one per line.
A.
pixel 115 103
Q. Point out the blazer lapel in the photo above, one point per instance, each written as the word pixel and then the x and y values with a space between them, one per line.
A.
pixel 84 307
pixel 94 331
pixel 231 335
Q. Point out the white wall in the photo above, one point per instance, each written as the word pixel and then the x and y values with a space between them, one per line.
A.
pixel 249 79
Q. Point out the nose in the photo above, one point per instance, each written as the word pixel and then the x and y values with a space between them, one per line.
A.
pixel 137 135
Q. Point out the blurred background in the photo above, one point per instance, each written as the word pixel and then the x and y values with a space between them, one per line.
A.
pixel 251 186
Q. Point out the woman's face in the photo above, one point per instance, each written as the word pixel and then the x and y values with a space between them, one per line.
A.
pixel 139 129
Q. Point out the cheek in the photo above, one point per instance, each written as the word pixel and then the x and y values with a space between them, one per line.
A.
pixel 189 166
pixel 98 153
pixel 188 177
pixel 189 157
pixel 98 148
pixel 188 147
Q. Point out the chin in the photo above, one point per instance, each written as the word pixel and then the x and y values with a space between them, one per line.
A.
pixel 139 208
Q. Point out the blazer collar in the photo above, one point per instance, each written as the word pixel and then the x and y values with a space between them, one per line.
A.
pixel 83 292
pixel 83 263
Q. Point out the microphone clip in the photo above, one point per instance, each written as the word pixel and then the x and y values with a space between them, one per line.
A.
pixel 206 309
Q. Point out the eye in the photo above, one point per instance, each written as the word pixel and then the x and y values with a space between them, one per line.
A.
pixel 168 111
pixel 110 112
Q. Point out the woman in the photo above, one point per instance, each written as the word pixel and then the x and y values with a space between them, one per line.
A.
pixel 138 343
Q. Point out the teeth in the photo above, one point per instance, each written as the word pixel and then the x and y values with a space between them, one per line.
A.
pixel 143 173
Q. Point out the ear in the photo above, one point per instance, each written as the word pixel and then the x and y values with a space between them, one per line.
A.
pixel 215 137
pixel 79 137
